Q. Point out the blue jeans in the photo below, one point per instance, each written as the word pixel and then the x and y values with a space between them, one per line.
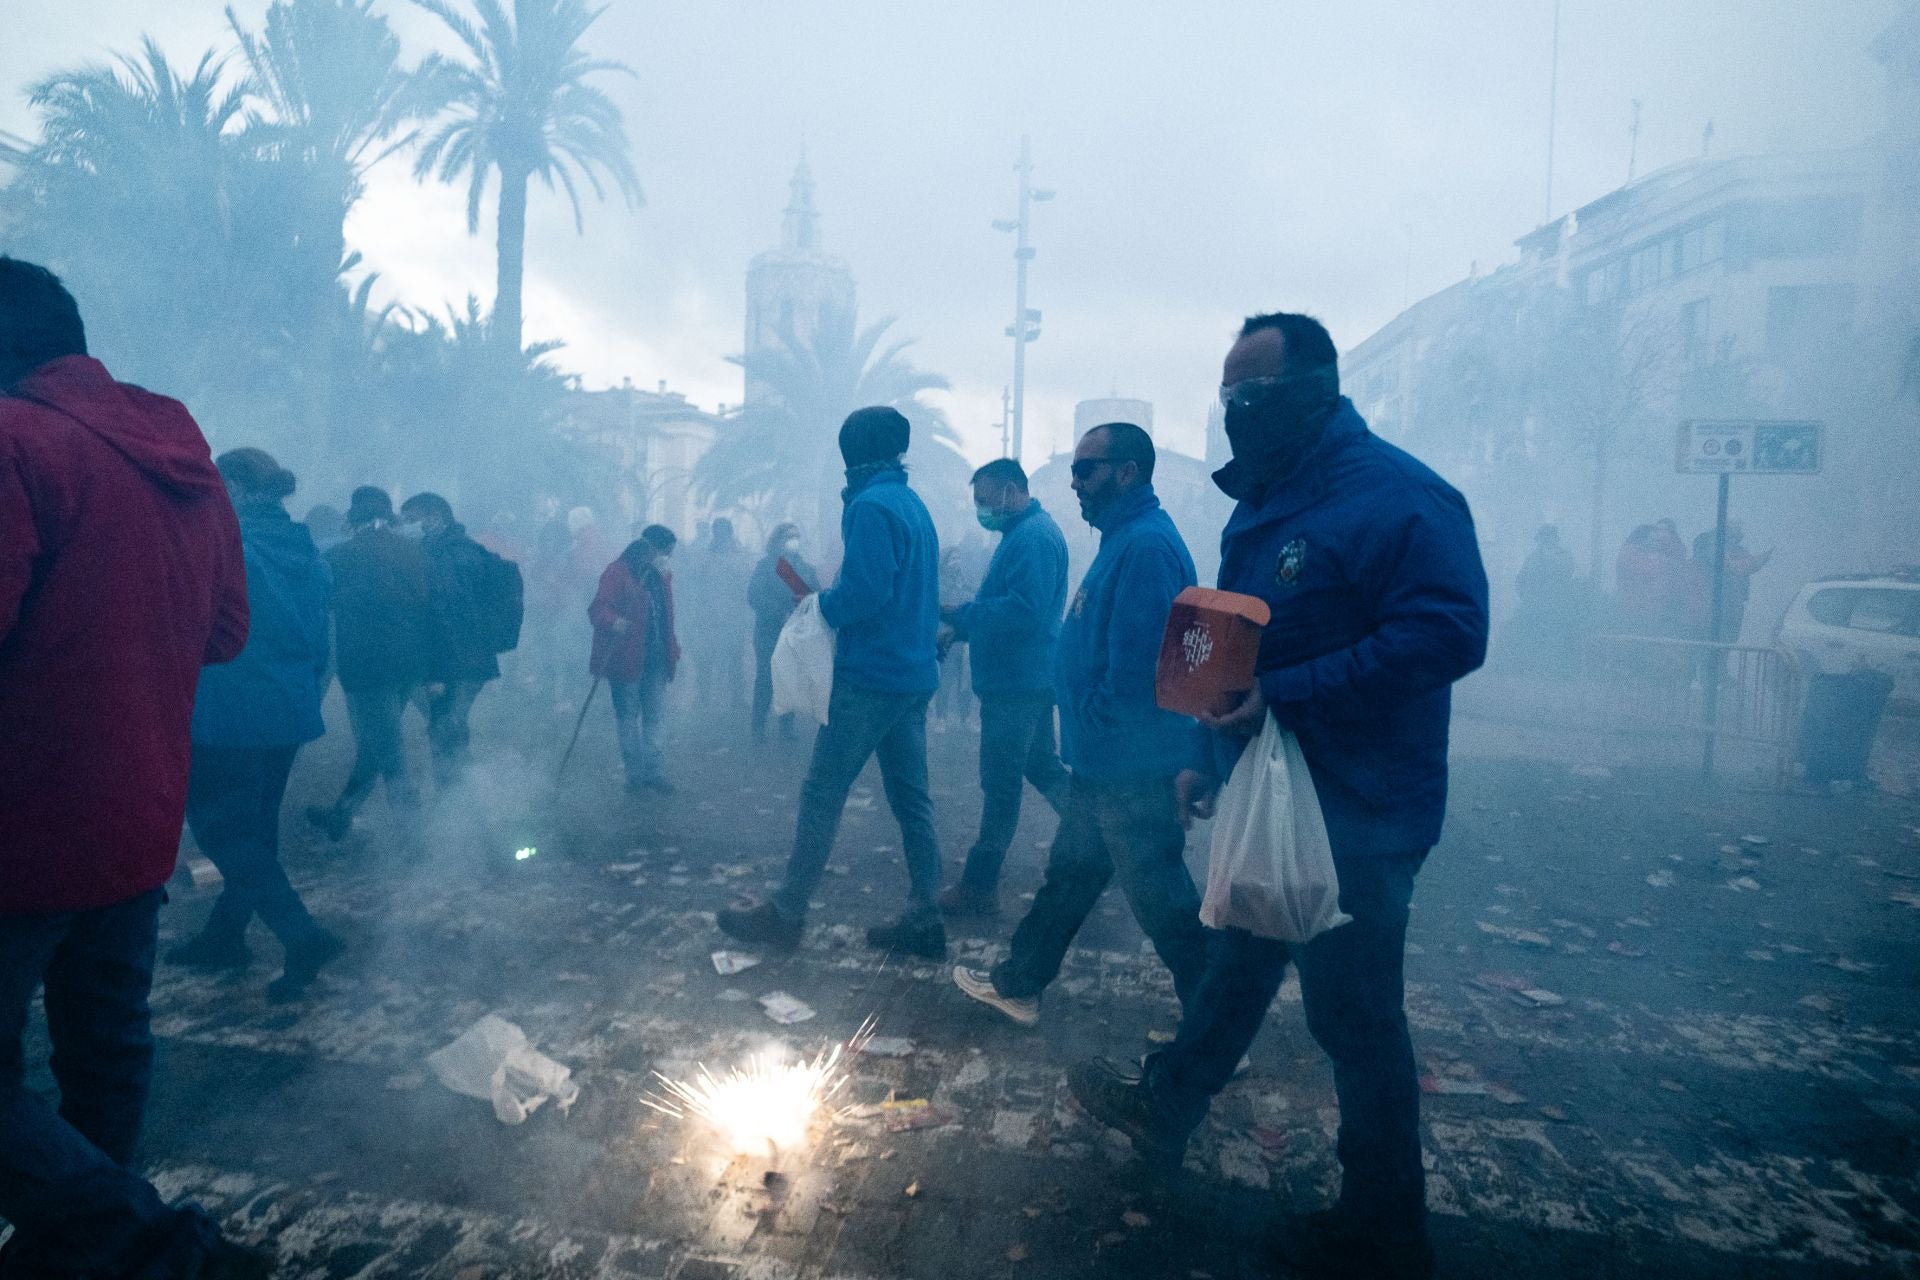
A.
pixel 1126 828
pixel 1353 988
pixel 863 723
pixel 233 809
pixel 1016 747
pixel 76 1208
pixel 637 710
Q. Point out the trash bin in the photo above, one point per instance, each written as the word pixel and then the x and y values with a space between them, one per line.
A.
pixel 1842 719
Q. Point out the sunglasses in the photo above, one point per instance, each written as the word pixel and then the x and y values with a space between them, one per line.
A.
pixel 1084 468
pixel 1250 393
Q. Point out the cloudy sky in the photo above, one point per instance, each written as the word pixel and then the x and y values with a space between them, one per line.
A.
pixel 1211 159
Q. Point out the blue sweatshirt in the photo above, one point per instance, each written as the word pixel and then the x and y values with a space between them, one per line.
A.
pixel 885 605
pixel 1373 573
pixel 1013 624
pixel 1110 727
pixel 270 695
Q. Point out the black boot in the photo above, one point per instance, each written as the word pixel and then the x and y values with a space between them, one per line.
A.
pixel 303 964
pixel 760 925
pixel 916 933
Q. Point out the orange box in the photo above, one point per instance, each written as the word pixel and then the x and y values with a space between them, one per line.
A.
pixel 1207 657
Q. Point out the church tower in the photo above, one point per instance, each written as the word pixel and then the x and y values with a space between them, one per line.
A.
pixel 790 288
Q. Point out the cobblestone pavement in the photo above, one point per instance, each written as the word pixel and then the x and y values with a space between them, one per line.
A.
pixel 1667 1030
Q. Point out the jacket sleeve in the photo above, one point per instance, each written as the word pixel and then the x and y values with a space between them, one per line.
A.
pixel 228 635
pixel 1017 609
pixel 868 573
pixel 1430 624
pixel 19 544
pixel 1144 587
pixel 605 609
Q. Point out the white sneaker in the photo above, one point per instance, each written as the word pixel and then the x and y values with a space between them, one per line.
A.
pixel 978 984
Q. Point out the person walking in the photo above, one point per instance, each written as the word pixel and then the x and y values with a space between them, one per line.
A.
pixel 1370 565
pixel 772 603
pixel 1124 751
pixel 250 719
pixel 381 634
pixel 460 655
pixel 723 570
pixel 121 573
pixel 885 605
pixel 636 651
pixel 1011 629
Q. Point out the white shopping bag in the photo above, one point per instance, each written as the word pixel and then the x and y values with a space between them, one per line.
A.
pixel 803 663
pixel 492 1060
pixel 1270 869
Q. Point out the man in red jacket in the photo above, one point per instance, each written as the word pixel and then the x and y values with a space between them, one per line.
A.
pixel 120 575
pixel 636 651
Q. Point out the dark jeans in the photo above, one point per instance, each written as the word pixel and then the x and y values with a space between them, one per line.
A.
pixel 1352 986
pixel 379 754
pixel 448 734
pixel 862 723
pixel 765 637
pixel 233 808
pixel 76 1208
pixel 1016 747
pixel 1127 828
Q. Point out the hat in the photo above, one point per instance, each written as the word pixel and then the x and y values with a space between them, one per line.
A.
pixel 874 434
pixel 368 504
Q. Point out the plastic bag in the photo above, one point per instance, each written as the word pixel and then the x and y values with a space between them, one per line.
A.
pixel 492 1060
pixel 803 663
pixel 1270 869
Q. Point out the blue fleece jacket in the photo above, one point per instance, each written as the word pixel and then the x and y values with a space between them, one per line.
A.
pixel 1110 727
pixel 886 602
pixel 1370 565
pixel 1013 625
pixel 269 696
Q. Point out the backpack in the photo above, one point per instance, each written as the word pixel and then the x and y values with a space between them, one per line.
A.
pixel 499 600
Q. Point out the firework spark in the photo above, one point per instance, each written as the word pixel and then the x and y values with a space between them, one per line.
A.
pixel 768 1104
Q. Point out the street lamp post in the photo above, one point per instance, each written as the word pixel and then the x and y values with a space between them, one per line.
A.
pixel 1026 322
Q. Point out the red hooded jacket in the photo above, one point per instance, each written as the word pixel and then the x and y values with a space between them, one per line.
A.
pixel 120 576
pixel 621 656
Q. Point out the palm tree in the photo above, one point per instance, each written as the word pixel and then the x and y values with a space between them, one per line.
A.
pixel 520 105
pixel 782 446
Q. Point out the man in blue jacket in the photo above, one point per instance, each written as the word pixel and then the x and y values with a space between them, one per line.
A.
pixel 1011 627
pixel 885 607
pixel 1373 573
pixel 1121 818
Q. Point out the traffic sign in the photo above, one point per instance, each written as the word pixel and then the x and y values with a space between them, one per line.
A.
pixel 1748 446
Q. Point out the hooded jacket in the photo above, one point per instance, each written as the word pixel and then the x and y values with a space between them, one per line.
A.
pixel 270 695
pixel 1111 729
pixel 1370 565
pixel 1013 624
pixel 120 575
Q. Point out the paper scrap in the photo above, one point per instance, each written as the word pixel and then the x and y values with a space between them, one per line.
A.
pixel 784 1009
pixel 728 963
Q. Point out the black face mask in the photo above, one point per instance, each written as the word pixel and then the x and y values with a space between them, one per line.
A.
pixel 1271 435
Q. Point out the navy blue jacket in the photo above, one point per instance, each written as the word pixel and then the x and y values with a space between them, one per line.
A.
pixel 1013 624
pixel 269 696
pixel 1370 565
pixel 1110 727
pixel 885 605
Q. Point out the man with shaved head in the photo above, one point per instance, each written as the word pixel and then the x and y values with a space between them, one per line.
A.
pixel 1369 563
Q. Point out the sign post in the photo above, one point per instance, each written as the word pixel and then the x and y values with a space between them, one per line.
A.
pixel 1724 448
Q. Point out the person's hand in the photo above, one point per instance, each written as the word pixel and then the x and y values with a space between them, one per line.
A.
pixel 1193 794
pixel 1246 719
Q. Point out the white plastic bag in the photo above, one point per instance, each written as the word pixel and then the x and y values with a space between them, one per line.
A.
pixel 1270 869
pixel 492 1060
pixel 803 663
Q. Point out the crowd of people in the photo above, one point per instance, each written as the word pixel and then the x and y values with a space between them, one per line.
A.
pixel 130 558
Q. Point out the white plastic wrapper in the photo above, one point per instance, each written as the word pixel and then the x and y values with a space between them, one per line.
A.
pixel 803 663
pixel 493 1060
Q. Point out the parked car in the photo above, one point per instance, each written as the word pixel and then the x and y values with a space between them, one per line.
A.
pixel 1836 626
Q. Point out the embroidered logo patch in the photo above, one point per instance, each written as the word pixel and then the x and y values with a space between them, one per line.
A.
pixel 1292 557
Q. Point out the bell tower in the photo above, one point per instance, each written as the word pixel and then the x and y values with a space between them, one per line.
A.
pixel 791 288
